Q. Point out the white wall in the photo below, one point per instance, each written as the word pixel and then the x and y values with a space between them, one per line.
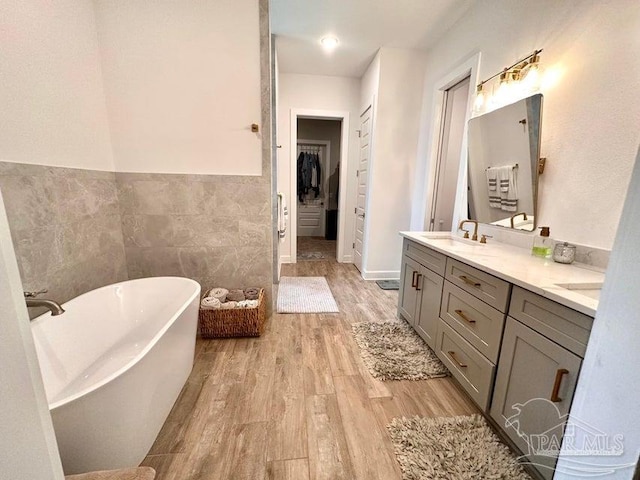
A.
pixel 395 142
pixel 182 82
pixel 319 93
pixel 27 441
pixel 53 109
pixel 590 114
pixel 370 84
pixel 608 387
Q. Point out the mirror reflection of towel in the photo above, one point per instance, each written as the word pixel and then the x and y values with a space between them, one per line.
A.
pixel 507 179
pixel 492 182
pixel 492 178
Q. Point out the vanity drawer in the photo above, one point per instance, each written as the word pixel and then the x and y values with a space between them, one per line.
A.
pixel 486 287
pixel 561 324
pixel 431 259
pixel 467 365
pixel 479 324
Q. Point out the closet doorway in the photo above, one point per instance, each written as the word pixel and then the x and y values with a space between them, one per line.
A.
pixel 328 129
pixel 313 161
pixel 317 187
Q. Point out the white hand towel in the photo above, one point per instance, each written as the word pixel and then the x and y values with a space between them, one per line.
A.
pixel 210 303
pixel 228 305
pixel 492 182
pixel 248 304
pixel 504 173
pixel 508 180
pixel 492 178
pixel 219 293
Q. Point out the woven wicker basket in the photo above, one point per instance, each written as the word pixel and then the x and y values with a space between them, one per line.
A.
pixel 234 322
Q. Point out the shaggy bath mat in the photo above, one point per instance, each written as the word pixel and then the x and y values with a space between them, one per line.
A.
pixel 305 295
pixel 389 284
pixel 393 351
pixel 454 448
pixel 312 256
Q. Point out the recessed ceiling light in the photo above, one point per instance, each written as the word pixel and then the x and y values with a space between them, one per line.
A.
pixel 329 43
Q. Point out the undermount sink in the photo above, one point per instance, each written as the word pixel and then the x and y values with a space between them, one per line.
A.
pixel 451 240
pixel 591 290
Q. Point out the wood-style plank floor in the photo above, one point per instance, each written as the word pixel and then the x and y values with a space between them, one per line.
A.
pixel 296 403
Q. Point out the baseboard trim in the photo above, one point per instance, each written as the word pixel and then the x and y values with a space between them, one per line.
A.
pixel 347 259
pixel 285 259
pixel 381 275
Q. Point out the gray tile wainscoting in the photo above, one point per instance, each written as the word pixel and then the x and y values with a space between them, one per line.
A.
pixel 214 229
pixel 66 228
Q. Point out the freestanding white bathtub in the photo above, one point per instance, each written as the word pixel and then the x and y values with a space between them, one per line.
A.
pixel 113 366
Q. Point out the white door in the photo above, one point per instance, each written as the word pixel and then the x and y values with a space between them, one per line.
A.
pixel 363 178
pixel 450 150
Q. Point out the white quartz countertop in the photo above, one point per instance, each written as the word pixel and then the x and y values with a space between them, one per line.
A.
pixel 517 265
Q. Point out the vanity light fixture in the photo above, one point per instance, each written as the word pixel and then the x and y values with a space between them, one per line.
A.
pixel 521 77
pixel 329 43
pixel 479 101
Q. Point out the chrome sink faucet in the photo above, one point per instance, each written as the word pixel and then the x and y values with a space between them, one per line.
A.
pixel 466 232
pixel 33 302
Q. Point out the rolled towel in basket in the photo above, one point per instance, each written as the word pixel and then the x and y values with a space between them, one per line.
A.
pixel 235 296
pixel 219 293
pixel 252 293
pixel 210 303
pixel 228 305
pixel 248 304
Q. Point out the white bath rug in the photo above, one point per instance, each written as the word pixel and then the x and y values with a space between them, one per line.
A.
pixel 305 295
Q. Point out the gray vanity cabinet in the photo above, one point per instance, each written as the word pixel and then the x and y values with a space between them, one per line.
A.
pixel 430 287
pixel 534 386
pixel 421 284
pixel 408 295
pixel 516 353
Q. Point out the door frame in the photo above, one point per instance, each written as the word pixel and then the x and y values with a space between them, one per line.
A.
pixel 27 405
pixel 467 68
pixel 313 114
pixel 439 160
pixel 325 174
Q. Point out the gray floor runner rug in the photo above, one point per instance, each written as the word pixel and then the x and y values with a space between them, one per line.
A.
pixel 393 351
pixel 452 448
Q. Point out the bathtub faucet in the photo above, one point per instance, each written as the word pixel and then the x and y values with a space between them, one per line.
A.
pixel 32 302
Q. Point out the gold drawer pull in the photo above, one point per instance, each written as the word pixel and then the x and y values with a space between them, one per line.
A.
pixel 464 317
pixel 453 357
pixel 556 385
pixel 469 282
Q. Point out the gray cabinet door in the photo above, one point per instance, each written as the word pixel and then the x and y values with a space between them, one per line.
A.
pixel 408 295
pixel 523 403
pixel 429 285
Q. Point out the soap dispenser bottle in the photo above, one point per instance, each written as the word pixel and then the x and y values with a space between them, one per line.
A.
pixel 542 244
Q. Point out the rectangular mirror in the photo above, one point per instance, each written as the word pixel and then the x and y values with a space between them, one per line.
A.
pixel 504 150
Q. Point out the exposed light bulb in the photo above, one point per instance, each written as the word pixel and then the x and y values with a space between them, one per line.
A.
pixel 329 43
pixel 503 91
pixel 531 76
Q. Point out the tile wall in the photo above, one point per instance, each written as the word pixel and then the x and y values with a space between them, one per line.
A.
pixel 66 228
pixel 214 229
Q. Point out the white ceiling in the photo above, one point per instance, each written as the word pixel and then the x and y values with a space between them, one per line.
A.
pixel 362 26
